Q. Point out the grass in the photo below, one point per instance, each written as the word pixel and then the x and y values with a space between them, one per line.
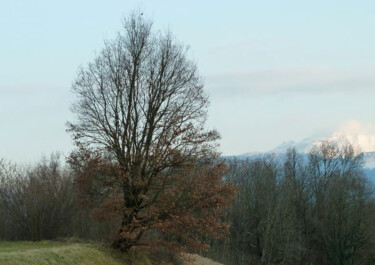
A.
pixel 46 252
pixel 51 252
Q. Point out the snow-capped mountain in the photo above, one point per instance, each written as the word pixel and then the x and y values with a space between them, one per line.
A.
pixel 361 142
pixel 360 136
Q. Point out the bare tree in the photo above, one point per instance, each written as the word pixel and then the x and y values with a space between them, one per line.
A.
pixel 300 209
pixel 140 111
pixel 36 202
pixel 342 205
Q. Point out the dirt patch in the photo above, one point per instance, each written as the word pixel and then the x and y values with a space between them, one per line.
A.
pixel 194 259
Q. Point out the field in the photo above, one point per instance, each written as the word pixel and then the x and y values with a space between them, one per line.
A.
pixel 46 252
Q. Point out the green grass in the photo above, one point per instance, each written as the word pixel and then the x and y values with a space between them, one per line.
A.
pixel 46 252
pixel 73 253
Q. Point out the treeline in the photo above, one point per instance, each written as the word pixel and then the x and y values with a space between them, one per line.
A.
pixel 318 209
pixel 40 202
pixel 299 210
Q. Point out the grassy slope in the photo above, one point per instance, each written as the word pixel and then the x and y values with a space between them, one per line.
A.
pixel 63 253
pixel 46 252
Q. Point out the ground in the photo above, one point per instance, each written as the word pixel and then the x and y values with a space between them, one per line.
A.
pixel 47 252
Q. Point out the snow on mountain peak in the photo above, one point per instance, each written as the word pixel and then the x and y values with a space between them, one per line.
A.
pixel 359 135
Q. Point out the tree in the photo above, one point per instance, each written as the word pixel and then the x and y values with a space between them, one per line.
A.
pixel 141 138
pixel 342 205
pixel 300 209
pixel 36 202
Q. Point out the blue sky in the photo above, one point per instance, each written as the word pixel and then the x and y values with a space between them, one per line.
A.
pixel 275 70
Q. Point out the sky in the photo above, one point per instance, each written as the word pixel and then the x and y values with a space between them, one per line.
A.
pixel 275 70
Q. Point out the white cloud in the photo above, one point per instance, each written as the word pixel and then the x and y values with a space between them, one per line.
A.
pixel 302 80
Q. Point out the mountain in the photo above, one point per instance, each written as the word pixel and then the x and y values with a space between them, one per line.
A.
pixel 362 143
pixel 305 145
